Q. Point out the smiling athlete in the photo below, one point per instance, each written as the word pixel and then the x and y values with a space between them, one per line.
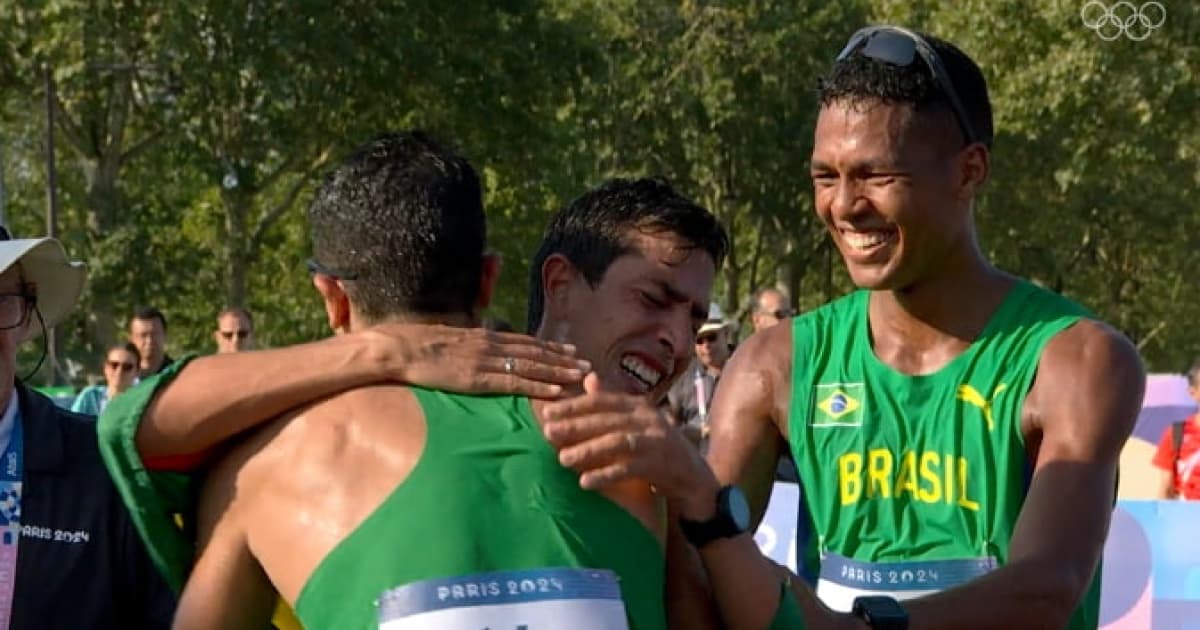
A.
pixel 956 429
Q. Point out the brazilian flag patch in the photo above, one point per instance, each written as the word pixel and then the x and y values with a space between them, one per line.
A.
pixel 839 405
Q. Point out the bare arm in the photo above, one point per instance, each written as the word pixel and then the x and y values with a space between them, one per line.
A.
pixel 748 408
pixel 219 396
pixel 594 439
pixel 1083 404
pixel 689 600
pixel 1166 487
pixel 227 588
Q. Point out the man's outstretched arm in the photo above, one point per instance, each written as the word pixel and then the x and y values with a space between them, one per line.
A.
pixel 228 588
pixel 216 397
pixel 1085 401
pixel 747 409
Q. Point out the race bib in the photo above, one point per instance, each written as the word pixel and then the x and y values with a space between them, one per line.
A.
pixel 539 599
pixel 843 579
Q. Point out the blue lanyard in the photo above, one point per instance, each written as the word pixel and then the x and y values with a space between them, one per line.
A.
pixel 11 469
pixel 12 464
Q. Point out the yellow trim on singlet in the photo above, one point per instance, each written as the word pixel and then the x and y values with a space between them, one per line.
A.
pixel 284 618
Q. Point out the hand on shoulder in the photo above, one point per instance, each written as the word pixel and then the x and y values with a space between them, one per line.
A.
pixel 473 360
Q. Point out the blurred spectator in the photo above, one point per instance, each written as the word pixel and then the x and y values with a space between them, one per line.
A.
pixel 148 331
pixel 1178 454
pixel 770 308
pixel 70 557
pixel 235 330
pixel 120 369
pixel 690 396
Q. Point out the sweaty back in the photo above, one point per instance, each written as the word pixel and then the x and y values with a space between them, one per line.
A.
pixel 487 512
pixel 913 484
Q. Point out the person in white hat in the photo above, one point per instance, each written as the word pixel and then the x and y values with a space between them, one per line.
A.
pixel 690 396
pixel 81 563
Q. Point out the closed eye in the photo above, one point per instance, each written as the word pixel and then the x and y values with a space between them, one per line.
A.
pixel 880 179
pixel 653 300
pixel 824 178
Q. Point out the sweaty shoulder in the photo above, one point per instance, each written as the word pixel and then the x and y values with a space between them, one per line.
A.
pixel 1090 380
pixel 749 412
pixel 302 483
pixel 762 368
pixel 777 352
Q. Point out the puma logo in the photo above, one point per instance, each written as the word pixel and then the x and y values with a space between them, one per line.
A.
pixel 971 396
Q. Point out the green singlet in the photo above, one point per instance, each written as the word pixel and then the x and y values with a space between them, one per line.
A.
pixel 913 484
pixel 487 528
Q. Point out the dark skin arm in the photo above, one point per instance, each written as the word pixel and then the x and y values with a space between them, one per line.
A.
pixel 1078 415
pixel 1166 485
pixel 688 596
pixel 591 431
pixel 749 431
pixel 749 416
pixel 186 417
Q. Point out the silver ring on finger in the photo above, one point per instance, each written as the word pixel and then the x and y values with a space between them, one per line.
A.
pixel 510 365
pixel 631 440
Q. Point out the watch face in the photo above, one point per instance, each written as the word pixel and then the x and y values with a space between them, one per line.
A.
pixel 739 509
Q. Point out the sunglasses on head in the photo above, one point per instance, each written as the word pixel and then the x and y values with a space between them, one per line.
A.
pixel 901 47
pixel 121 365
pixel 230 334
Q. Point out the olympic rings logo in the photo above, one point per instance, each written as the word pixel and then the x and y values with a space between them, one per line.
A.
pixel 1123 18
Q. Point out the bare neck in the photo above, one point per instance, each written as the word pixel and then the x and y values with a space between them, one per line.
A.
pixel 919 329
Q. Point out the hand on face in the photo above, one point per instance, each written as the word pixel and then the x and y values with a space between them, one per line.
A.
pixel 609 437
pixel 476 361
pixel 120 367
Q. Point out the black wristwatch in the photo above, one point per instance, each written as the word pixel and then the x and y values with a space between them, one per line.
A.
pixel 732 518
pixel 881 613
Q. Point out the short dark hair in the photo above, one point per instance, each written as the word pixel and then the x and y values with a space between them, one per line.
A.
pixel 1193 373
pixel 593 230
pixel 238 311
pixel 127 346
pixel 858 78
pixel 403 218
pixel 147 313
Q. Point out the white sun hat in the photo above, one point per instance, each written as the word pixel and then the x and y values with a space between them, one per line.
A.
pixel 716 320
pixel 57 281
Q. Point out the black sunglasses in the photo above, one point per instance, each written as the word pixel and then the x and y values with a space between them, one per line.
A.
pixel 315 267
pixel 901 47
pixel 230 334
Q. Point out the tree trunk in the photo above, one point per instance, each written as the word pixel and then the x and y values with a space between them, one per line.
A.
pixel 237 238
pixel 103 208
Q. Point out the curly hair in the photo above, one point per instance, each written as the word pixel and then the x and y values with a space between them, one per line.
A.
pixel 858 79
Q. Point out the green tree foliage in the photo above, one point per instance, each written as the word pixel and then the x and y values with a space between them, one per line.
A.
pixel 1095 166
pixel 190 137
